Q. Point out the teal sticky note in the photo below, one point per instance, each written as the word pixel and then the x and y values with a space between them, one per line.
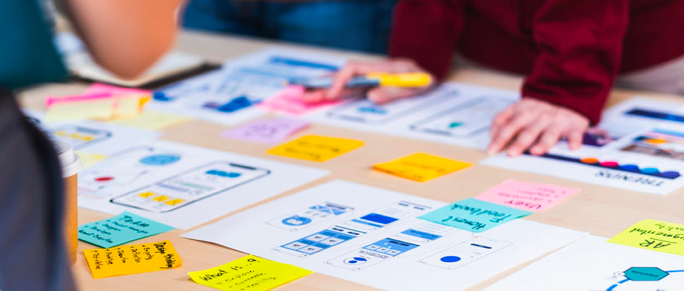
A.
pixel 474 215
pixel 123 228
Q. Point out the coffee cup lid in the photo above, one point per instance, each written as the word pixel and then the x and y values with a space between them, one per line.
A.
pixel 71 162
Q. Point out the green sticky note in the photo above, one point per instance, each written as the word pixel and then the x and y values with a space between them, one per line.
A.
pixel 123 228
pixel 474 215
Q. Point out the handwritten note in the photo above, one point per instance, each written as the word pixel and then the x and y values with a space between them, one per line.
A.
pixel 653 235
pixel 316 148
pixel 289 100
pixel 266 131
pixel 421 167
pixel 527 196
pixel 153 120
pixel 133 259
pixel 248 273
pixel 123 228
pixel 474 215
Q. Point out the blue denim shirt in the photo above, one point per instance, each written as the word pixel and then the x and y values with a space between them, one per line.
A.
pixel 361 25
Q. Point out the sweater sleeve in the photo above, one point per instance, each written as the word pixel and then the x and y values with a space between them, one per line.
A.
pixel 426 31
pixel 580 45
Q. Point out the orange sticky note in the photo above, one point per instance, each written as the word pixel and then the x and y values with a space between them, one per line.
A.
pixel 132 259
pixel 421 167
pixel 316 148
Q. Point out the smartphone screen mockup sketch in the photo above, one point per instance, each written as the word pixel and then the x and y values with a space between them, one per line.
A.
pixel 465 253
pixel 78 136
pixel 310 216
pixel 191 186
pixel 365 111
pixel 467 119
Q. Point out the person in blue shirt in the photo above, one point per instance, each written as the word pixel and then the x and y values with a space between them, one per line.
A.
pixel 361 25
pixel 124 36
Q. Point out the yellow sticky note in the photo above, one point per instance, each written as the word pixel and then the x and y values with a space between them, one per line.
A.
pixel 94 109
pixel 653 235
pixel 421 167
pixel 316 148
pixel 152 120
pixel 248 273
pixel 89 159
pixel 129 106
pixel 132 259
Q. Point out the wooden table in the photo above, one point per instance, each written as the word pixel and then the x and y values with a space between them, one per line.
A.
pixel 598 210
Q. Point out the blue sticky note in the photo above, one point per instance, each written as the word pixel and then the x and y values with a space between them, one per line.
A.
pixel 123 228
pixel 474 215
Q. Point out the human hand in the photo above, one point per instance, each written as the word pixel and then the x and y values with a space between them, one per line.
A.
pixel 378 95
pixel 535 125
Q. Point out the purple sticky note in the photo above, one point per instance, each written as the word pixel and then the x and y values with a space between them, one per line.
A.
pixel 266 131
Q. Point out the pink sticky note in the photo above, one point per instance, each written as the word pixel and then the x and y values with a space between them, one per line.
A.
pixel 527 196
pixel 289 100
pixel 266 131
pixel 51 100
pixel 114 90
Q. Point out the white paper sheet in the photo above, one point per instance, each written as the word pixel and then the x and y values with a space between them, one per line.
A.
pixel 372 236
pixel 455 113
pixel 256 76
pixel 92 136
pixel 664 160
pixel 594 264
pixel 182 185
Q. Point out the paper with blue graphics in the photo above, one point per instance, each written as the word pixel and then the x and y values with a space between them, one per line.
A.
pixel 372 236
pixel 123 228
pixel 592 263
pixel 474 215
pixel 226 96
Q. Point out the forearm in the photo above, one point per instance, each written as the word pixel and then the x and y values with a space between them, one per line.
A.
pixel 125 36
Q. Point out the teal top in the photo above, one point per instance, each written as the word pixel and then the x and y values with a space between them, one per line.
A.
pixel 27 53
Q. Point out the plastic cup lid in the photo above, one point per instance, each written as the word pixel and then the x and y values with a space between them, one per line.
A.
pixel 71 162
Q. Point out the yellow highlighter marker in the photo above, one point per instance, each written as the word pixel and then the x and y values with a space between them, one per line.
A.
pixel 369 80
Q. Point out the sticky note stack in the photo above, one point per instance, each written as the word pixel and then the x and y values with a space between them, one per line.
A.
pixel 99 101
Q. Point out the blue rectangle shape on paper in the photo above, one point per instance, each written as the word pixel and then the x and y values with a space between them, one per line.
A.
pixel 123 228
pixel 474 215
pixel 379 218
pixel 421 234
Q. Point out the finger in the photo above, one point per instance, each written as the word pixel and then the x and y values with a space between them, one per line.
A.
pixel 501 119
pixel 383 95
pixel 548 139
pixel 575 137
pixel 526 138
pixel 340 80
pixel 507 132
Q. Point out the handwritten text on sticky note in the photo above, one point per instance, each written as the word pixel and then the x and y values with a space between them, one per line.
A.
pixel 421 167
pixel 316 148
pixel 248 273
pixel 527 196
pixel 133 259
pixel 266 131
pixel 123 228
pixel 474 215
pixel 653 235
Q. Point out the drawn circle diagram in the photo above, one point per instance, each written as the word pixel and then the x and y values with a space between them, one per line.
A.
pixel 355 261
pixel 160 160
pixel 638 278
pixel 296 220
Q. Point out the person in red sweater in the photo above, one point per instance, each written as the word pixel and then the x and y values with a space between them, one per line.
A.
pixel 571 52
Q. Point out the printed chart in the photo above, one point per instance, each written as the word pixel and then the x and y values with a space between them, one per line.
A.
pixel 640 150
pixel 361 233
pixel 454 113
pixel 182 185
pixel 604 266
